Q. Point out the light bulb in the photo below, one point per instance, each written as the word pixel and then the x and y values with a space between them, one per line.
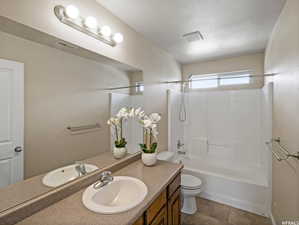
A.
pixel 91 22
pixel 72 12
pixel 106 31
pixel 118 37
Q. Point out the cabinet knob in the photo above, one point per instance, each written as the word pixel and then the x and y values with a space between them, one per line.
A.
pixel 18 149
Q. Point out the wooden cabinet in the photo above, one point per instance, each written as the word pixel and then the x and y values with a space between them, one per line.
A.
pixel 166 209
pixel 140 221
pixel 174 208
pixel 174 185
pixel 155 207
pixel 161 218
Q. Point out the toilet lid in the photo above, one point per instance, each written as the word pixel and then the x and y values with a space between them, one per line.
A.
pixel 190 182
pixel 166 156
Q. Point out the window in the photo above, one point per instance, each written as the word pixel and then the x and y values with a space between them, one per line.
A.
pixel 139 87
pixel 235 80
pixel 204 82
pixel 219 80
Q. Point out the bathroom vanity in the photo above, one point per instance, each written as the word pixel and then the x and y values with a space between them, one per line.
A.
pixel 165 210
pixel 161 205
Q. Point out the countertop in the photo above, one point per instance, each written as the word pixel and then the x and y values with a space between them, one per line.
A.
pixel 71 211
pixel 25 190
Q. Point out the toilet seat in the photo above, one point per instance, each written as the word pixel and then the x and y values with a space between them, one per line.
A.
pixel 190 182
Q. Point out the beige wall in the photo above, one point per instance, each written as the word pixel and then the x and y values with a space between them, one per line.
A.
pixel 59 92
pixel 282 57
pixel 253 62
pixel 135 77
pixel 156 64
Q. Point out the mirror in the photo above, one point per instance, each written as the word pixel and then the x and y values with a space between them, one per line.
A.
pixel 55 100
pixel 133 98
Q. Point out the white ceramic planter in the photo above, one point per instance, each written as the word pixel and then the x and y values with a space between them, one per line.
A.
pixel 119 153
pixel 149 159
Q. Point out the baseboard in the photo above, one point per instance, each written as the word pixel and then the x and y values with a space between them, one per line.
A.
pixel 272 218
pixel 236 203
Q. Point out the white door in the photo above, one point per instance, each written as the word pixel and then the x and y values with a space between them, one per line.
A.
pixel 11 122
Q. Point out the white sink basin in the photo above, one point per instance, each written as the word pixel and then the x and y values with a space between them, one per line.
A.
pixel 65 174
pixel 122 194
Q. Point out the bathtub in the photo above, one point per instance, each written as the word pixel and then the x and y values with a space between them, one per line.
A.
pixel 240 187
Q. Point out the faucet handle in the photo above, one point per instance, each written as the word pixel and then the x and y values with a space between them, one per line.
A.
pixel 105 175
pixel 180 144
pixel 105 178
pixel 80 168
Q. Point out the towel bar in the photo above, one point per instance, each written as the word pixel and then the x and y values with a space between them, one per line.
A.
pixel 85 127
pixel 282 149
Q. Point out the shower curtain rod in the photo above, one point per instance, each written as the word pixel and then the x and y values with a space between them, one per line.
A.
pixel 118 88
pixel 219 78
pixel 188 81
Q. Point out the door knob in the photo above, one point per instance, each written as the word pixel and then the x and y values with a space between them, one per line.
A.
pixel 18 149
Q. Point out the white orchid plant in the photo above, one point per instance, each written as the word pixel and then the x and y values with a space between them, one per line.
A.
pixel 148 122
pixel 150 130
pixel 116 124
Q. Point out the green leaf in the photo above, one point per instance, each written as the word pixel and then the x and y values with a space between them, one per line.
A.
pixel 154 147
pixel 151 150
pixel 121 143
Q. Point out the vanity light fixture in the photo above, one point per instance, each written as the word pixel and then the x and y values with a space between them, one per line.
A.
pixel 70 16
pixel 118 37
pixel 72 12
pixel 91 22
pixel 106 31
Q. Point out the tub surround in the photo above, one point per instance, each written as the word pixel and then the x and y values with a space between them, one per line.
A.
pixel 72 211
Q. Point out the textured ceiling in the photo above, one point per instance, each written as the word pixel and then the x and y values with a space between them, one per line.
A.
pixel 230 27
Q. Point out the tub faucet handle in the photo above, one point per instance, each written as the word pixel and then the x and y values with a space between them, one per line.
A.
pixel 180 144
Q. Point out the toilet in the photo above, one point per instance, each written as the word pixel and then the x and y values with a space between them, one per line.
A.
pixel 191 186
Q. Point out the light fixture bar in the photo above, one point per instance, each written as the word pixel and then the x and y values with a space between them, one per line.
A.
pixel 78 25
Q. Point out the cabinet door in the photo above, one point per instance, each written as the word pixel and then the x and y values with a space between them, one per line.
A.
pixel 174 208
pixel 155 207
pixel 140 221
pixel 161 218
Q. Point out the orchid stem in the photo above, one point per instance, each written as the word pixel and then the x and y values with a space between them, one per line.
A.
pixel 116 132
pixel 121 128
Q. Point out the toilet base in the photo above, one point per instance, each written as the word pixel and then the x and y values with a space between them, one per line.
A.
pixel 189 205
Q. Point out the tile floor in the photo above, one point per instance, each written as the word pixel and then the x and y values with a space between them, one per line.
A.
pixel 212 213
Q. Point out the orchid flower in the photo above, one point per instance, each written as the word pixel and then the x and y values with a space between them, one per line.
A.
pixel 155 117
pixel 148 122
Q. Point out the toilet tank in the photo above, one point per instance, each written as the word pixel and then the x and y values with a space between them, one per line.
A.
pixel 166 156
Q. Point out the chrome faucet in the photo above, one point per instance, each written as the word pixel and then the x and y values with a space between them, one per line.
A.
pixel 80 168
pixel 105 178
pixel 179 144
